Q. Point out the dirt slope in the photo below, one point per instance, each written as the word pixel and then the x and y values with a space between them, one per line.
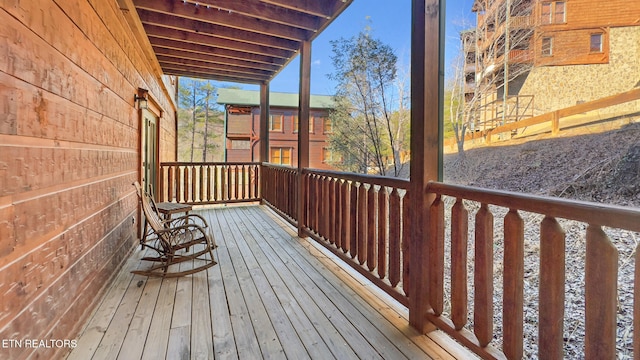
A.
pixel 602 167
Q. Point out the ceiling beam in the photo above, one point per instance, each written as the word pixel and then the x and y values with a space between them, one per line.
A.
pixel 325 9
pixel 212 58
pixel 178 23
pixel 233 47
pixel 214 75
pixel 166 59
pixel 223 18
pixel 257 9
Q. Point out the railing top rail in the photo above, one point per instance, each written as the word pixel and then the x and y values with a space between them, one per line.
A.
pixel 279 166
pixel 362 178
pixel 196 163
pixel 593 213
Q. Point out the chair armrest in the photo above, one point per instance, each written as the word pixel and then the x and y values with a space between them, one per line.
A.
pixel 177 221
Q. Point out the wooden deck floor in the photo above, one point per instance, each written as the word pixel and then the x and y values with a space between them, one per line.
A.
pixel 272 295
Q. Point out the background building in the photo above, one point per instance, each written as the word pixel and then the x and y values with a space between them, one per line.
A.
pixel 242 127
pixel 552 54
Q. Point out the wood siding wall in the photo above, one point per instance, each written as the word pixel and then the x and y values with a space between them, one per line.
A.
pixel 69 151
pixel 571 39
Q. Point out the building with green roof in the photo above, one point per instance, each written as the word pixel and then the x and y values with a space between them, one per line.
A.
pixel 242 127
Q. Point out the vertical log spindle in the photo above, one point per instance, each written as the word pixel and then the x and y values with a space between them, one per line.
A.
pixel 459 243
pixel 483 276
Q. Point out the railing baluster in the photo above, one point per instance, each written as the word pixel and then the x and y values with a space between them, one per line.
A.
pixel 160 189
pixel 406 242
pixel 513 285
pixel 208 182
pixel 601 280
pixel 552 277
pixel 318 198
pixel 337 189
pixel 459 241
pixel 436 255
pixel 236 184
pixel 202 175
pixel 226 184
pixel 215 182
pixel 362 224
pixel 331 225
pixel 353 233
pixel 326 204
pixel 192 180
pixel 170 182
pixel 372 246
pixel 483 277
pixel 394 237
pixel 346 217
pixel 184 186
pixel 230 183
pixel 382 232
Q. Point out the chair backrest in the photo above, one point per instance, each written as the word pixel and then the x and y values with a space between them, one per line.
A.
pixel 148 208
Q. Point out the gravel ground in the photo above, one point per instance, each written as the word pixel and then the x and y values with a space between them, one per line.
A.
pixel 602 167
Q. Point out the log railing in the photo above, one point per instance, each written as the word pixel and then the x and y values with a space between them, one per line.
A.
pixel 361 219
pixel 209 183
pixel 482 244
pixel 471 320
pixel 280 190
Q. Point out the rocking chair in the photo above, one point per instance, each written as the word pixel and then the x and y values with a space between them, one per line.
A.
pixel 172 239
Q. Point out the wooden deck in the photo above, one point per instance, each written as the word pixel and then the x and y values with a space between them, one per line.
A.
pixel 272 295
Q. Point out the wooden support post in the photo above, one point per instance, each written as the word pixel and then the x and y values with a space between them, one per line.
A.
pixel 264 133
pixel 426 143
pixel 555 123
pixel 303 128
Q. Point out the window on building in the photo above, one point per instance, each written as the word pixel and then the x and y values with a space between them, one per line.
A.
pixel 281 156
pixel 296 124
pixel 328 156
pixel 559 13
pixel 327 126
pixel 553 12
pixel 546 13
pixel 596 43
pixel 547 46
pixel 275 122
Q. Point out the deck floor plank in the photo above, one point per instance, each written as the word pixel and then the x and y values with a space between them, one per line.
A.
pixel 139 327
pixel 327 328
pixel 201 327
pixel 158 337
pixel 292 347
pixel 271 296
pixel 283 283
pixel 263 327
pixel 102 316
pixel 326 285
pixel 224 344
pixel 244 335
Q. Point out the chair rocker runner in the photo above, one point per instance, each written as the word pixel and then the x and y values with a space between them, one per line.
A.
pixel 173 239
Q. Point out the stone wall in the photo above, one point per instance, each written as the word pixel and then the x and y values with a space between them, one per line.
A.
pixel 69 151
pixel 557 87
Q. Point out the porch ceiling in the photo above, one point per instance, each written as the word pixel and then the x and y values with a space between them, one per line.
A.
pixel 247 41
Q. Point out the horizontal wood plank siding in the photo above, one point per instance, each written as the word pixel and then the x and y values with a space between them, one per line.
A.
pixel 583 18
pixel 69 151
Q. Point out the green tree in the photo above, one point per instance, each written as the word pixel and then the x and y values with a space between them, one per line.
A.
pixel 198 116
pixel 369 117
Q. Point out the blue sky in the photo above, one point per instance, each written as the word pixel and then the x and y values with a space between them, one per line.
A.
pixel 390 21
